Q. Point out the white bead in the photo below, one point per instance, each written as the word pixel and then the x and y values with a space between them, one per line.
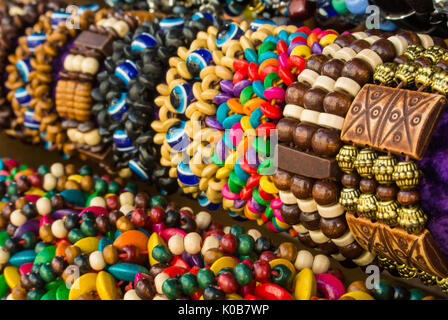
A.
pixel 192 243
pixel 226 229
pixel 347 85
pixel 109 23
pixel 332 121
pixel 176 244
pixel 330 212
pixel 127 198
pixel 58 229
pixel 310 116
pixel 121 28
pixel 57 169
pixel 307 205
pixel 254 233
pixel 360 35
pixel 308 76
pixel 90 65
pixel 92 138
pixel 299 228
pixel 131 295
pixel 77 63
pixel 126 209
pixel 304 260
pixel 372 39
pixel 96 261
pixel 293 111
pixel 371 57
pixel 364 259
pixel 203 220
pixel 98 202
pixel 68 62
pixel 331 50
pixel 344 240
pixel 49 182
pixel 338 257
pixel 345 54
pixel 324 83
pixel 4 255
pixel 43 206
pixel 399 43
pixel 318 236
pixel 287 197
pixel 211 242
pixel 17 218
pixel 426 40
pixel 160 297
pixel 321 264
pixel 159 280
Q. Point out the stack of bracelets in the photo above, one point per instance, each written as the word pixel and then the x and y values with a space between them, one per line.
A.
pixel 63 242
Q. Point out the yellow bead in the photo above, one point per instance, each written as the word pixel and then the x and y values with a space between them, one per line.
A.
pixel 106 286
pixel 221 263
pixel 267 184
pixel 82 285
pixel 328 39
pixel 302 51
pixel 88 244
pixel 305 285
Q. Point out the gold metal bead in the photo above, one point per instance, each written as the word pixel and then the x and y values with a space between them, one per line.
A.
pixel 434 53
pixel 364 162
pixel 349 199
pixel 406 272
pixel 427 278
pixel 412 219
pixel 425 76
pixel 407 175
pixel 440 82
pixel 387 264
pixel 367 205
pixel 414 51
pixel 383 168
pixel 405 74
pixel 346 158
pixel 442 283
pixel 385 74
pixel 387 212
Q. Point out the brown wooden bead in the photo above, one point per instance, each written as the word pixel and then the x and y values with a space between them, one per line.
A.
pixel 11 229
pixel 351 251
pixel 282 180
pixel 25 281
pixel 315 62
pixel 145 288
pixel 385 49
pixel 7 210
pixel 325 192
pixel 60 183
pixel 18 293
pixel 326 142
pixel 71 252
pixel 211 255
pixel 359 45
pixel 374 32
pixel 357 70
pixel 401 59
pixel 333 228
pixel 3 222
pixel 305 238
pixel 20 203
pixel 70 169
pixel 439 42
pixel 423 61
pixel 368 185
pixel 142 200
pixel 310 220
pixel 158 268
pixel 411 37
pixel 57 202
pixel 408 197
pixel 314 99
pixel 387 192
pixel 123 224
pixel 59 264
pixel 328 248
pixel 337 102
pixel 344 40
pixel 295 92
pixel 290 213
pixel 303 134
pixel 285 129
pixel 45 233
pixel 332 68
pixel 70 184
pixel 288 251
pixel 114 216
pixel 87 183
pixel 103 223
pixel 110 254
pixel 350 180
pixel 301 187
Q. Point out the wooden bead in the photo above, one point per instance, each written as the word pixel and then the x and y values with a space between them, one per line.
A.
pixel 303 135
pixel 328 248
pixel 70 184
pixel 17 218
pixel 192 243
pixel 123 224
pixel 401 59
pixel 285 129
pixel 86 183
pixel 18 293
pixel 305 238
pixel 71 252
pixel 131 295
pixel 282 180
pixel 290 213
pixel 57 169
pixel 326 142
pixel 301 187
pixel 350 180
pixel 321 264
pixel 20 203
pixel 4 256
pixel 337 102
pixel 368 185
pixel 159 280
pixel 358 70
pixel 295 92
pixel 358 286
pixel 254 233
pixel 387 192
pixel 211 242
pixel 332 68
pixel 142 200
pixel 176 244
pixel 98 202
pixel 408 197
pixel 359 45
pixel 288 251
pixel 423 61
pixel 325 192
pixel 385 49
pixel 58 229
pixel 114 216
pixel 344 40
pixel 45 233
pixel 315 62
pixel 60 183
pixel 49 182
pixel 211 255
pixel 126 198
pixel 314 99
pixel 96 261
pixel 203 220
pixel 333 228
pixel 304 260
pixel 351 251
pixel 70 169
pixel 411 37
pixel 110 254
pixel 310 220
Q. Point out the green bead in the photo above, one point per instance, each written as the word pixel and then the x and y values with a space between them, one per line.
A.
pixel 88 228
pixel 114 187
pixel 30 240
pixel 383 291
pixel 50 295
pixel 43 170
pixel 251 256
pixel 11 189
pixel 100 186
pixel 54 284
pixel 216 160
pixel 110 235
pixel 75 235
pixel 232 183
pixel 267 167
pixel 262 146
pixel 45 255
pixel 270 78
pixel 3 286
pixel 3 237
pixel 23 167
pixel 416 294
pixel 205 277
pixel 35 294
pixel 282 276
pixel 339 6
pixel 236 230
pixel 85 171
pixel 158 201
pixel 40 246
pixel 245 244
pixel 188 283
pixel 62 292
pixel 243 274
pixel 266 46
pixel 161 253
pixel 14 171
pixel 171 289
pixel 246 94
pixel 258 199
pixel 131 187
pixel 46 272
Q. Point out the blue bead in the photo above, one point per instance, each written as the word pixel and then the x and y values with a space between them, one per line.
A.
pixel 240 173
pixel 283 35
pixel 258 87
pixel 267 55
pixel 198 60
pixel 255 118
pixel 23 97
pixel 29 120
pixel 58 16
pixel 232 32
pixel 34 40
pixel 357 6
pixel 135 166
pixel 142 41
pixel 200 15
pixel 181 96
pixel 118 108
pixel 257 23
pixel 222 112
pixel 122 142
pixel 24 68
pixel 126 72
pixel 186 176
pixel 177 137
pixel 172 22
pixel 231 120
pixel 251 55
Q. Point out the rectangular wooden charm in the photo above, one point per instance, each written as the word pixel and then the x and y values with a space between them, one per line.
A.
pixel 396 120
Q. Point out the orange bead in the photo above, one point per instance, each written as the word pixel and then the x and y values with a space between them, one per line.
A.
pixel 132 237
pixel 251 105
pixel 311 39
pixel 60 248
pixel 268 62
pixel 235 105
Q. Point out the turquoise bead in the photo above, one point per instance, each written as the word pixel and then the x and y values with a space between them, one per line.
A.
pixel 416 294
pixel 282 275
pixel 383 291
pixel 85 171
pixel 23 257
pixel 100 186
pixel 35 294
pixel 251 55
pixel 40 246
pixel 258 88
pixel 267 55
pixel 171 289
pixel 131 187
pixel 46 272
pixel 75 234
pixel 114 187
pixel 126 271
pixel 236 230
pixel 74 197
pixel 283 35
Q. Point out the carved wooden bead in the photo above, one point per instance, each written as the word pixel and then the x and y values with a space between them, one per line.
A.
pixel 290 213
pixel 385 49
pixel 282 180
pixel 301 187
pixel 344 40
pixel 303 135
pixel 359 45
pixel 315 62
pixel 326 142
pixel 368 185
pixel 334 228
pixel 337 102
pixel 351 251
pixel 310 220
pixel 408 197
pixel 305 238
pixel 285 129
pixel 295 93
pixel 332 68
pixel 325 192
pixel 358 70
pixel 386 192
pixel 350 180
pixel 314 98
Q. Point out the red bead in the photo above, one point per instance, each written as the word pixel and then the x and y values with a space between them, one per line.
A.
pixel 240 64
pixel 139 217
pixel 282 47
pixel 264 195
pixel 265 129
pixel 107 178
pixel 246 193
pixel 267 70
pixel 253 181
pixel 229 243
pixel 262 271
pixel 252 71
pixel 197 295
pixel 239 75
pixel 227 282
pixel 174 271
pixel 304 29
pixel 250 297
pixel 297 62
pixel 298 38
pixel 217 233
pixel 246 167
pixel 195 270
pixel 248 289
pixel 267 256
pixel 271 111
pixel 157 215
pixel 286 76
pixel 36 180
pixel 179 262
pixel 112 202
